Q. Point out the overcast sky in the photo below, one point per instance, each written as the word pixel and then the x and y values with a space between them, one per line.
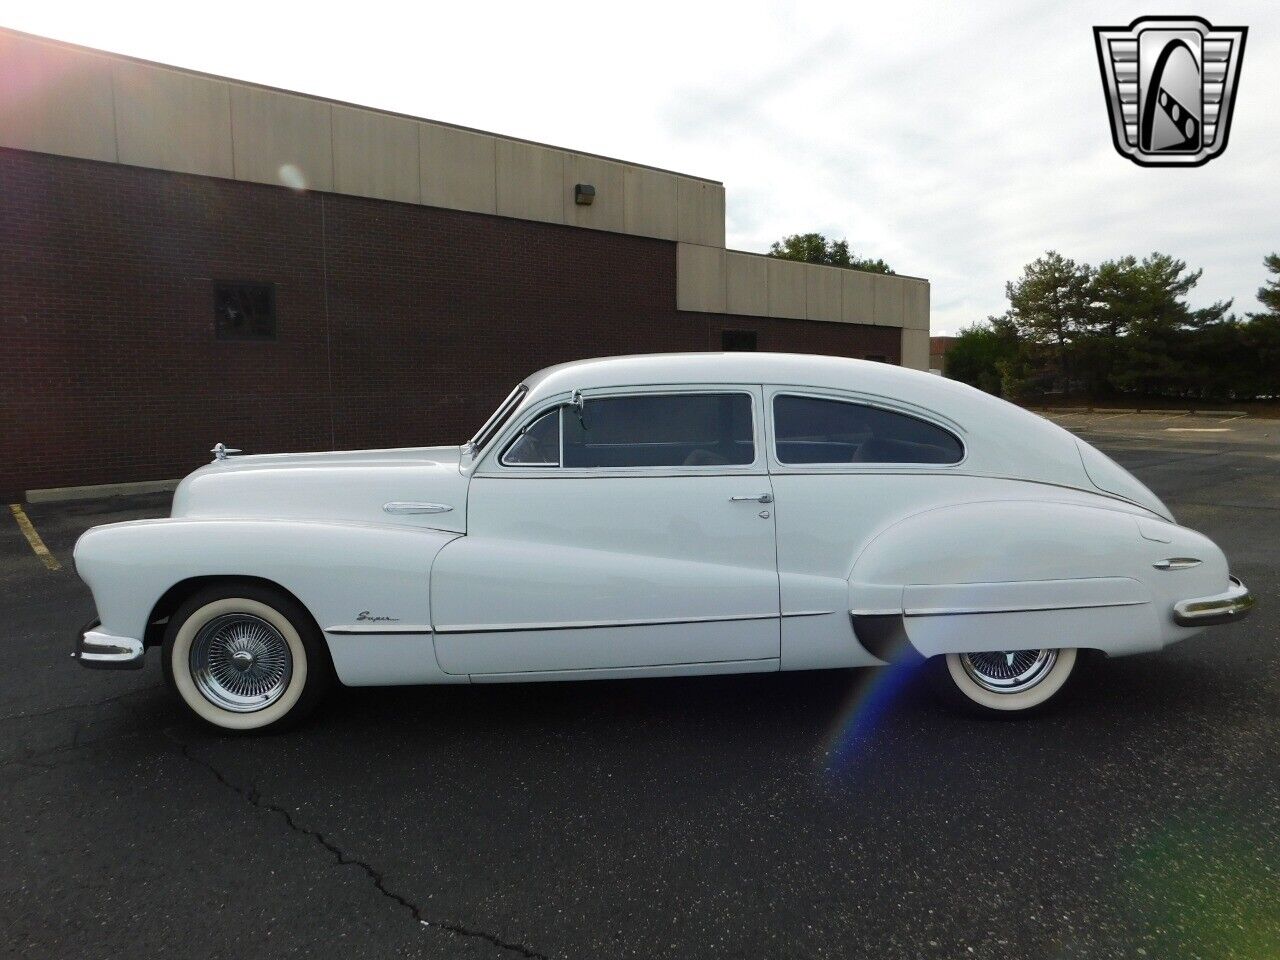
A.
pixel 957 141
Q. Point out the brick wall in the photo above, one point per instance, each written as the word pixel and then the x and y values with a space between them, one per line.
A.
pixel 397 325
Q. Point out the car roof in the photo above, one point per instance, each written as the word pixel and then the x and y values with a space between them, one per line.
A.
pixel 742 367
pixel 1001 439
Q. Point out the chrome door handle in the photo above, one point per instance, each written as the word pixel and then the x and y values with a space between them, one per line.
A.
pixel 763 498
pixel 413 506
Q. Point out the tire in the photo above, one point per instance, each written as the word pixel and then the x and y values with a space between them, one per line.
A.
pixel 1004 683
pixel 245 658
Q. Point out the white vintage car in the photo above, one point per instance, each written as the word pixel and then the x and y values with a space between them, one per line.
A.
pixel 656 516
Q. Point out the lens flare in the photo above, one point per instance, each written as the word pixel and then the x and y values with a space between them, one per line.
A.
pixel 292 176
pixel 874 695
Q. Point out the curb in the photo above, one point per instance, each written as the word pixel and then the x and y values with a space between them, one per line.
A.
pixel 97 491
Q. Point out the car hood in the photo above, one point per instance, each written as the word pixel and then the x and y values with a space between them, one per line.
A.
pixel 348 485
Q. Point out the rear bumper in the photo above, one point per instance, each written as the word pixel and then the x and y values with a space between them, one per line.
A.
pixel 1232 604
pixel 102 651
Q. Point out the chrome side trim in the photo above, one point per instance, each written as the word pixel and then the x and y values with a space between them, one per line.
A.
pixel 1017 608
pixel 1176 563
pixel 102 651
pixel 377 629
pixel 1232 604
pixel 415 506
pixel 596 624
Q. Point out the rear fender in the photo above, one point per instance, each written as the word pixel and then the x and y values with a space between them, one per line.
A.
pixel 1008 575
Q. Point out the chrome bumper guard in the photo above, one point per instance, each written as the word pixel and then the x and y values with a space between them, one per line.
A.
pixel 102 651
pixel 1232 604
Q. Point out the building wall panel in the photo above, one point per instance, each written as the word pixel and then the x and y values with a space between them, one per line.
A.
pixel 375 155
pixel 788 289
pixel 172 120
pixel 699 212
pixel 650 203
pixel 272 130
pixel 55 100
pixel 530 182
pixel 459 168
pixel 747 279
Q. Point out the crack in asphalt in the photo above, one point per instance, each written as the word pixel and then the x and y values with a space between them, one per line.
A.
pixel 80 706
pixel 254 798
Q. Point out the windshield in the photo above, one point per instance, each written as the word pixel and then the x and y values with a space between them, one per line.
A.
pixel 495 422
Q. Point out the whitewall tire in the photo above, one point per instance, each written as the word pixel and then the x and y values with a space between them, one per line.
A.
pixel 1006 682
pixel 243 657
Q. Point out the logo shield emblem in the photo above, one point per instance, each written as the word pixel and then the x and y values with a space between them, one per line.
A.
pixel 1170 84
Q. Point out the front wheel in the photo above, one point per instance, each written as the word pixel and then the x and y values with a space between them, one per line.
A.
pixel 1005 682
pixel 244 657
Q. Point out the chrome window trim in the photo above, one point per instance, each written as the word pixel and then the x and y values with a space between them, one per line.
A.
pixel 497 419
pixel 525 428
pixel 493 467
pixel 773 391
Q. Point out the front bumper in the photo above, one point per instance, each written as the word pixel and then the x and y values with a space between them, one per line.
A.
pixel 102 651
pixel 1232 604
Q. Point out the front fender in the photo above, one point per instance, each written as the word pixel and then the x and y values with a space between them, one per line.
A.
pixel 336 570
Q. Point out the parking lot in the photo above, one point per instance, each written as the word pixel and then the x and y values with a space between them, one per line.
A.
pixel 793 815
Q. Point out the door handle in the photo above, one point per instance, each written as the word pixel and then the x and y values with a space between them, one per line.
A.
pixel 763 498
pixel 412 506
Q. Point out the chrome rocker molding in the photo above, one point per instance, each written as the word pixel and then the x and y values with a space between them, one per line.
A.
pixel 106 652
pixel 1232 604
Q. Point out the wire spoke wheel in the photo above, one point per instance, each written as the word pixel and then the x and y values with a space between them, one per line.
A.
pixel 1008 671
pixel 240 663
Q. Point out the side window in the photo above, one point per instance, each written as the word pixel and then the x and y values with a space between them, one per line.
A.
pixel 815 430
pixel 537 445
pixel 661 430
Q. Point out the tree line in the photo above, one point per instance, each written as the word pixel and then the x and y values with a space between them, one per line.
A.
pixel 1121 329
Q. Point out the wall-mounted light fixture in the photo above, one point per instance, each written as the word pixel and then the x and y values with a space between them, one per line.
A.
pixel 584 194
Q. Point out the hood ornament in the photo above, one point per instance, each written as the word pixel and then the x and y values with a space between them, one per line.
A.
pixel 221 451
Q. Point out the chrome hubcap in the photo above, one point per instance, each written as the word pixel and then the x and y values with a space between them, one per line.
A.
pixel 1008 671
pixel 240 663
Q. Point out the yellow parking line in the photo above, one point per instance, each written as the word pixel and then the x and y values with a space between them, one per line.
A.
pixel 33 538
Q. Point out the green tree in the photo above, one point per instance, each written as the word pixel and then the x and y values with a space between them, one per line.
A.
pixel 815 248
pixel 1050 306
pixel 1160 347
pixel 1269 292
pixel 980 349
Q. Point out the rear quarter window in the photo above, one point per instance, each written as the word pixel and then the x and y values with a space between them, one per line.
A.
pixel 812 430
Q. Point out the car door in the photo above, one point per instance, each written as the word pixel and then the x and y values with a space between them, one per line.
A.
pixel 632 534
pixel 844 467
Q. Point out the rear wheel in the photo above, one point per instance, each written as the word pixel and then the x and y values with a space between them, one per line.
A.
pixel 244 657
pixel 1005 682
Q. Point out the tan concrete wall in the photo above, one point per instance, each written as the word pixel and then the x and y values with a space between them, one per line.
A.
pixel 700 212
pixel 915 349
pixel 752 285
pixel 272 131
pixel 650 203
pixel 700 278
pixel 172 120
pixel 458 168
pixel 375 155
pixel 56 98
pixel 747 278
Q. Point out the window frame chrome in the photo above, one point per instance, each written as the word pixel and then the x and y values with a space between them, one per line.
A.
pixel 889 405
pixel 494 467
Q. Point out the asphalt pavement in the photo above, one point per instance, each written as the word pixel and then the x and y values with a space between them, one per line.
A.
pixel 839 814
